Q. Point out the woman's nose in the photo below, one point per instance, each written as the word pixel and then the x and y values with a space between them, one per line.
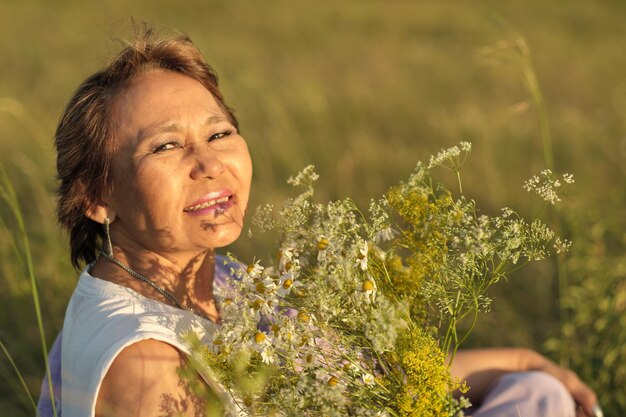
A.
pixel 206 163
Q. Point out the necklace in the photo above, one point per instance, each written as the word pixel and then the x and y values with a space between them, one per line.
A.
pixel 165 293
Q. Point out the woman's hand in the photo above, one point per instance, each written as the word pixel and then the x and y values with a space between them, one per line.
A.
pixel 582 394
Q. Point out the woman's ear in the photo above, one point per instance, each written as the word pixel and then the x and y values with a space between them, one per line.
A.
pixel 99 212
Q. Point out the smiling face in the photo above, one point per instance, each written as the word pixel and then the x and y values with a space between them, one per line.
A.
pixel 181 172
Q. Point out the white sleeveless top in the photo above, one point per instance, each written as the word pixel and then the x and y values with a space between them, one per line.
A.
pixel 103 318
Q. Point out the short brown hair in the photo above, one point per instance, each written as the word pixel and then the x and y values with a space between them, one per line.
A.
pixel 84 136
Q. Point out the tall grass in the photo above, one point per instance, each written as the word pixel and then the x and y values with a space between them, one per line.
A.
pixel 23 254
pixel 362 90
pixel 516 55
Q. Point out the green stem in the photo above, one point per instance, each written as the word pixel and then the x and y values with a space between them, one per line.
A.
pixel 19 374
pixel 562 283
pixel 469 331
pixel 544 128
pixel 451 331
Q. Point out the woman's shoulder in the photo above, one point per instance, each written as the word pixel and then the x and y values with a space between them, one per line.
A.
pixel 134 360
pixel 103 318
pixel 145 379
pixel 107 328
pixel 154 355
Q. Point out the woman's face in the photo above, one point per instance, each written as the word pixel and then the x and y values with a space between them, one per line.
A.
pixel 181 172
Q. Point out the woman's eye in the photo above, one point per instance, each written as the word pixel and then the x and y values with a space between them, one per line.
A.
pixel 220 135
pixel 166 147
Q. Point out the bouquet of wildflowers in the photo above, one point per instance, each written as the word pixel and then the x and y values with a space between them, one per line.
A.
pixel 358 313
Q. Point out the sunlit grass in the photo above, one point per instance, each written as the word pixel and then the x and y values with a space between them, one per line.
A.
pixel 22 253
pixel 362 90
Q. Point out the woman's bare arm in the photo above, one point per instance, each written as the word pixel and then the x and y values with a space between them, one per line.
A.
pixel 144 380
pixel 481 367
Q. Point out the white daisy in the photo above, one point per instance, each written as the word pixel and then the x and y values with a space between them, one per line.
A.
pixel 361 260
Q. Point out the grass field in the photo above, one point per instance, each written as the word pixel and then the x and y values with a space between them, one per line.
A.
pixel 362 89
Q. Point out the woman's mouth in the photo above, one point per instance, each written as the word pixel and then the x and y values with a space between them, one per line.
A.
pixel 215 203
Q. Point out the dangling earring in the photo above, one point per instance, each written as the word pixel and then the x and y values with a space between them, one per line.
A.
pixel 108 248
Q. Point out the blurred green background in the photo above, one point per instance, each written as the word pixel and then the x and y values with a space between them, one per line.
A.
pixel 362 89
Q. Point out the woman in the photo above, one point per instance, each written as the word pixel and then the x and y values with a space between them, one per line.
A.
pixel 155 176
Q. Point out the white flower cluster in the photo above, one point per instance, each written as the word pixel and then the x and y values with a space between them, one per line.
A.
pixel 546 186
pixel 562 245
pixel 380 229
pixel 450 156
pixel 305 177
pixel 263 219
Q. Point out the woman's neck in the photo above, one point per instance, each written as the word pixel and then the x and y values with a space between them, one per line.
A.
pixel 186 276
